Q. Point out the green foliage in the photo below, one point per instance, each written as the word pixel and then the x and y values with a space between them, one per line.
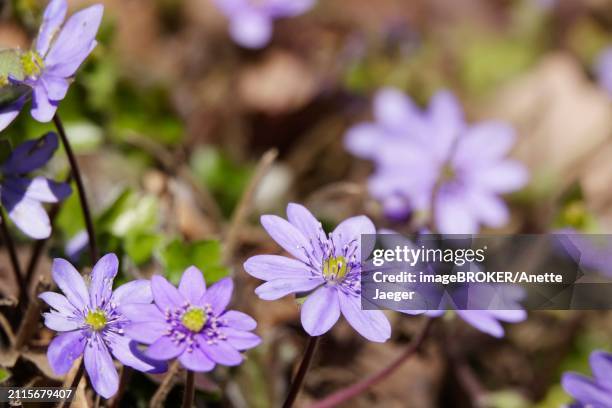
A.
pixel 486 61
pixel 223 177
pixel 4 375
pixel 573 212
pixel 140 246
pixel 206 255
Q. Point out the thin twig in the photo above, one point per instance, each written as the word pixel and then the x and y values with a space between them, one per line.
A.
pixel 8 330
pixel 89 225
pixel 173 166
pixel 352 391
pixel 296 385
pixel 165 387
pixel 189 389
pixel 31 317
pixel 244 206
pixel 469 382
pixel 75 382
pixel 10 245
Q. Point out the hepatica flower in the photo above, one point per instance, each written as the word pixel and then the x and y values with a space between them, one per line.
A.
pixel 603 69
pixel 325 268
pixel 432 161
pixel 595 392
pixel 251 21
pixel 23 197
pixel 192 323
pixel 57 53
pixel 91 324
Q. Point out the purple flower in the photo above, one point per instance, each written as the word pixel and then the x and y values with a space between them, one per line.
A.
pixel 91 323
pixel 58 52
pixel 596 392
pixel 433 162
pixel 326 268
pixel 251 20
pixel 23 197
pixel 603 69
pixel 191 323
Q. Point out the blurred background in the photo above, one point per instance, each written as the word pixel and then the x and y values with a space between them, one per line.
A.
pixel 170 120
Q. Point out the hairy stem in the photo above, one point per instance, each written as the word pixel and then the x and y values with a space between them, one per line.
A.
pixel 10 245
pixel 301 374
pixel 189 389
pixel 352 391
pixel 89 225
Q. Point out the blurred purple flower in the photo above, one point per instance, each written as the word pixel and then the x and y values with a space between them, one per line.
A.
pixel 432 161
pixel 22 197
pixel 327 269
pixel 596 392
pixel 251 21
pixel 486 317
pixel 603 69
pixel 75 246
pixel 92 324
pixel 56 56
pixel 191 323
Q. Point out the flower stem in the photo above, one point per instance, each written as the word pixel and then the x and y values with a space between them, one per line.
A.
pixel 10 245
pixel 93 248
pixel 352 391
pixel 189 389
pixel 301 374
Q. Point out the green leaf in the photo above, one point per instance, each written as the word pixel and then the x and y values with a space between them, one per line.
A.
pixel 225 178
pixel 70 218
pixel 205 255
pixel 137 214
pixel 4 375
pixel 140 246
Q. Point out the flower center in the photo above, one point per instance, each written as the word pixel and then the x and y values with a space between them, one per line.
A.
pixel 96 319
pixel 194 319
pixel 3 80
pixel 335 268
pixel 32 63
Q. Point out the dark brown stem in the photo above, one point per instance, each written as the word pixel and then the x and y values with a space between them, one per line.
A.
pixel 352 391
pixel 301 374
pixel 10 245
pixel 189 389
pixel 75 383
pixel 89 225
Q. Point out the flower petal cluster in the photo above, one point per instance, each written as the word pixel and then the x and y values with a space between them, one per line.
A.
pixel 324 268
pixel 191 323
pixel 251 21
pixel 432 161
pixel 91 324
pixel 593 392
pixel 57 54
pixel 22 197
